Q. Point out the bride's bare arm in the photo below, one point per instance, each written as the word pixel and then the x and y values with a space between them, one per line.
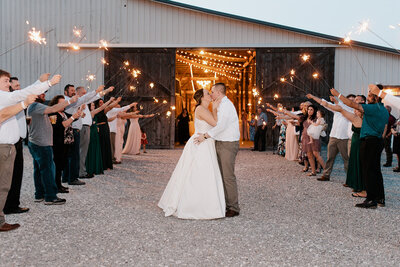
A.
pixel 206 115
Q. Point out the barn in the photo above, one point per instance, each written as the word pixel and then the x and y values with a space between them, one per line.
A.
pixel 159 52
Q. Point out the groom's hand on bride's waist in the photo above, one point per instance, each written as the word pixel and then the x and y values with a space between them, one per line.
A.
pixel 200 138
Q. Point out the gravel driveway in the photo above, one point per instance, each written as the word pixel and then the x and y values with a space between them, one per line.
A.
pixel 287 219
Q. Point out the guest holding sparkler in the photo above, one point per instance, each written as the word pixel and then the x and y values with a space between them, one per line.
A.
pixel 261 130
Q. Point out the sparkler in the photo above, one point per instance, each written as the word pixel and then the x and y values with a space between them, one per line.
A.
pixel 90 77
pixel 152 85
pixel 292 72
pixel 103 44
pixel 165 102
pixel 305 57
pixel 36 37
pixel 283 79
pixel 77 32
pixel 75 47
pixel 103 61
pixel 315 75
pixel 363 27
pixel 126 63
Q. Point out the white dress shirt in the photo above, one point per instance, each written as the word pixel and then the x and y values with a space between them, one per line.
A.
pixel 21 124
pixel 112 113
pixel 340 125
pixel 10 131
pixel 392 101
pixel 87 120
pixel 72 108
pixel 227 128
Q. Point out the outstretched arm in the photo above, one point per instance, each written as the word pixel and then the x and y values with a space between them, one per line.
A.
pixel 316 99
pixel 13 110
pixel 347 101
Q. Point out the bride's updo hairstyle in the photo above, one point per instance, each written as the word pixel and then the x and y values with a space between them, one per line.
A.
pixel 198 95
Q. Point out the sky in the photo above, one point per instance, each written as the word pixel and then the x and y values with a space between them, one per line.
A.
pixel 334 17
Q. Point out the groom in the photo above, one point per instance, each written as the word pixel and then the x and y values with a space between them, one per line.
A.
pixel 226 135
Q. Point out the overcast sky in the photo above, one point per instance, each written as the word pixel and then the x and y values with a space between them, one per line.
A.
pixel 334 17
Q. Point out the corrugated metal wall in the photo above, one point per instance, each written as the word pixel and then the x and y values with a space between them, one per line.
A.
pixel 357 67
pixel 148 24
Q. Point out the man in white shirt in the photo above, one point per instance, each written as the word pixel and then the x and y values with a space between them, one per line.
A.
pixel 338 138
pixel 9 137
pixel 226 135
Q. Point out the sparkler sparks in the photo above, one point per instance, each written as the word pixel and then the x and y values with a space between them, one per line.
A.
pixel 27 22
pixel 305 57
pixel 103 61
pixel 315 75
pixel 136 73
pixel 35 36
pixel 90 77
pixel 75 47
pixel 77 32
pixel 363 27
pixel 126 63
pixel 103 44
pixel 276 96
pixel 151 85
pixel 283 79
pixel 292 72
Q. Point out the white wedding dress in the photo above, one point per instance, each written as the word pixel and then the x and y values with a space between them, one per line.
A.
pixel 195 189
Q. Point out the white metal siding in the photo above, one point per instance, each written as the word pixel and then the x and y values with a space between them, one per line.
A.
pixel 149 24
pixel 379 67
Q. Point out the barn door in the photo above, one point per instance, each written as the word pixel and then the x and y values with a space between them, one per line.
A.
pixel 274 63
pixel 146 76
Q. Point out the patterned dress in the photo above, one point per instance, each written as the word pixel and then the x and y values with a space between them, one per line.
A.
pixel 282 139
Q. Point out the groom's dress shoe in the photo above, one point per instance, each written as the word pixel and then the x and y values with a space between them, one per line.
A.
pixel 231 213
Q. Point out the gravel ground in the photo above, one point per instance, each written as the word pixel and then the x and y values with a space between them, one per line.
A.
pixel 287 219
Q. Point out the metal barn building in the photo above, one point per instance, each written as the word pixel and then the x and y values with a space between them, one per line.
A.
pixel 159 52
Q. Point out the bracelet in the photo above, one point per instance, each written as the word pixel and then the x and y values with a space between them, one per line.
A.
pixel 339 96
pixel 72 117
pixel 204 135
pixel 380 92
pixel 48 83
pixel 68 101
pixel 23 105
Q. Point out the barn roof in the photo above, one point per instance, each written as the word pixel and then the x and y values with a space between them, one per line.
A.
pixel 274 25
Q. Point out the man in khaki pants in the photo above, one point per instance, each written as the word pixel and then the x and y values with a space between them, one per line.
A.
pixel 226 135
pixel 9 137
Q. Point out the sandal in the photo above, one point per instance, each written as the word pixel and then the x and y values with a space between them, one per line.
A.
pixel 357 195
pixel 312 174
pixel 305 169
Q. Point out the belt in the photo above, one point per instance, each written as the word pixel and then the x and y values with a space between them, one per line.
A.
pixel 101 123
pixel 76 130
pixel 86 125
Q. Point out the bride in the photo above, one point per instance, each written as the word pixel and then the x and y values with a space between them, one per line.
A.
pixel 195 189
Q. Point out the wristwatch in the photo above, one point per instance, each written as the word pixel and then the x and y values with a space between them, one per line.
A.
pixel 204 135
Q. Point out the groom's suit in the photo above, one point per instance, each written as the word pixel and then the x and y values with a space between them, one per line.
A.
pixel 226 134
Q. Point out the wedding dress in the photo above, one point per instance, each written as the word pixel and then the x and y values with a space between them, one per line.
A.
pixel 195 189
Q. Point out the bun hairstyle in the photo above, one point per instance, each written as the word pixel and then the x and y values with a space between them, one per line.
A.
pixel 198 95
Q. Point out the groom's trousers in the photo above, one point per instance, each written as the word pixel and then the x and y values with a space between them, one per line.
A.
pixel 226 154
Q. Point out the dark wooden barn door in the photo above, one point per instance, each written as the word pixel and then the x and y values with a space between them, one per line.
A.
pixel 274 63
pixel 153 88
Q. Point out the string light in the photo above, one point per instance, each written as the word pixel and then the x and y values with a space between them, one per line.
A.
pixel 36 37
pixel 315 75
pixel 292 72
pixel 168 113
pixel 126 63
pixel 132 88
pixel 173 107
pixel 305 57
pixel 165 102
pixel 151 85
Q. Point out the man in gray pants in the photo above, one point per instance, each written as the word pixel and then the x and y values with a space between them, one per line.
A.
pixel 338 138
pixel 226 135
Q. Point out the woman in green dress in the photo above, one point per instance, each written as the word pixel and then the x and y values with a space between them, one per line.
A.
pixel 353 177
pixel 94 162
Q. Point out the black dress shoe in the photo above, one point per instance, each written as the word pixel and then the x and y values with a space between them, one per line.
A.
pixel 231 213
pixel 63 191
pixel 367 204
pixel 87 176
pixel 77 182
pixel 254 149
pixel 16 211
pixel 387 165
pixel 381 203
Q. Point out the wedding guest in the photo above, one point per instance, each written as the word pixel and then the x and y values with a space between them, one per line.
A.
pixel 10 111
pixel 261 130
pixel 74 164
pixel 104 132
pixel 371 146
pixel 252 126
pixel 183 127
pixel 338 138
pixel 8 138
pixel 144 141
pixel 13 198
pixel 281 123
pixel 132 145
pixel 63 136
pixel 112 116
pixel 387 140
pixel 396 143
pixel 245 126
pixel 94 161
pixel 40 145
pixel 353 176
